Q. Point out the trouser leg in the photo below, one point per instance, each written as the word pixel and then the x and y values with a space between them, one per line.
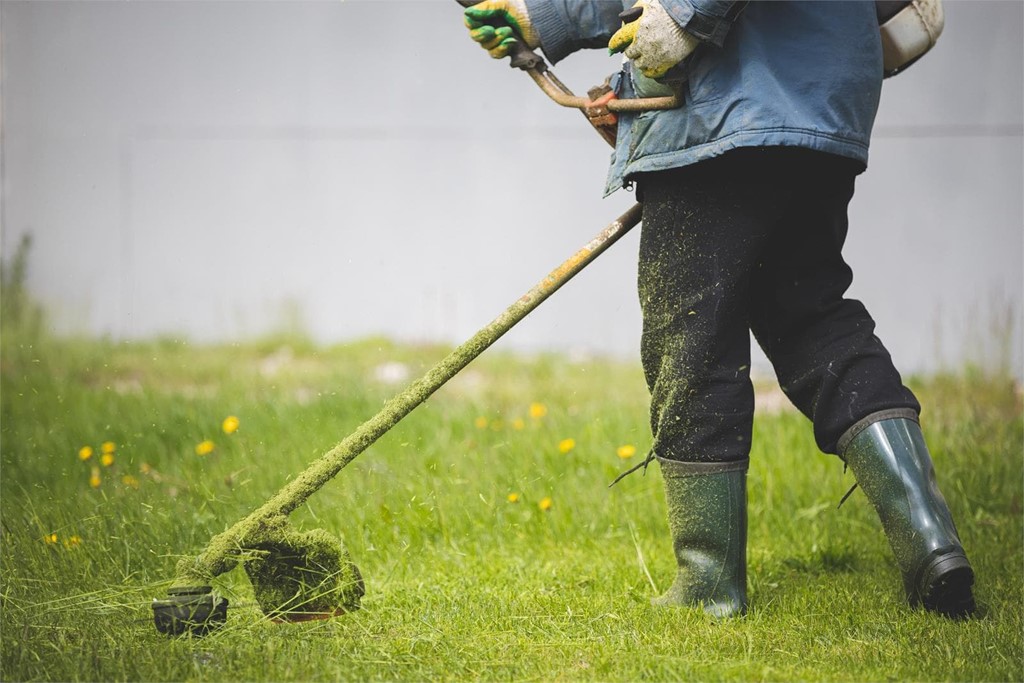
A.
pixel 822 345
pixel 703 229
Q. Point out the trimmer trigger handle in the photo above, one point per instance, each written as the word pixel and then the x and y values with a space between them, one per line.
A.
pixel 524 58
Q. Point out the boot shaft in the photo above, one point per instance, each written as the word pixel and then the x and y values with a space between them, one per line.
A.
pixel 891 463
pixel 707 516
pixel 894 469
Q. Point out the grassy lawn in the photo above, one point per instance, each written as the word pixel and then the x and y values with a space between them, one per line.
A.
pixel 491 544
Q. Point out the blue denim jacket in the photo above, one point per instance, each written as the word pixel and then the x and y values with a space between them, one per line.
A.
pixel 782 73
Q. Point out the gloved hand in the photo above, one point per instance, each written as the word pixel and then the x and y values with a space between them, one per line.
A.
pixel 498 24
pixel 655 42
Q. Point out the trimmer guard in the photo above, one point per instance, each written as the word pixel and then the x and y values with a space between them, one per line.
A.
pixel 194 610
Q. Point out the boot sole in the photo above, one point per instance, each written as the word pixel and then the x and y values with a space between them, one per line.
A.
pixel 946 586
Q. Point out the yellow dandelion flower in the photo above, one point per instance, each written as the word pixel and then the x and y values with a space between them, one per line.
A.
pixel 50 539
pixel 108 447
pixel 538 410
pixel 129 480
pixel 626 451
pixel 145 468
pixel 512 497
pixel 518 424
pixel 480 422
pixel 205 447
pixel 85 452
pixel 72 541
pixel 107 459
pixel 566 445
pixel 230 424
pixel 94 478
pixel 545 504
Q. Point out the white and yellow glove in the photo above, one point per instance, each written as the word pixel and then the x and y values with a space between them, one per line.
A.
pixel 655 42
pixel 498 24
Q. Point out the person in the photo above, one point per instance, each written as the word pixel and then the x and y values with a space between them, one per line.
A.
pixel 744 191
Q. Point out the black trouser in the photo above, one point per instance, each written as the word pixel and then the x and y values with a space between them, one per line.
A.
pixel 752 240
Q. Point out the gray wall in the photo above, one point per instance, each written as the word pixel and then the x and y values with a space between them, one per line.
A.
pixel 216 170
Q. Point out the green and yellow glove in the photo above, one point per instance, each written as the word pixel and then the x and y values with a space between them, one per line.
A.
pixel 655 42
pixel 498 24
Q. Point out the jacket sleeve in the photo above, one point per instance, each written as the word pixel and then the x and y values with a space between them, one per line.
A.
pixel 709 20
pixel 565 26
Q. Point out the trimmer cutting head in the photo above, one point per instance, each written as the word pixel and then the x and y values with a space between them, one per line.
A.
pixel 194 610
pixel 298 576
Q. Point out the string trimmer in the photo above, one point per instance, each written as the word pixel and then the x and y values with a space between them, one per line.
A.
pixel 298 576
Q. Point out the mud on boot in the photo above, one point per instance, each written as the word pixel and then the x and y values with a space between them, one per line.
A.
pixel 891 463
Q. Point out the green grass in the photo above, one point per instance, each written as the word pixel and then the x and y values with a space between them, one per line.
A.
pixel 462 583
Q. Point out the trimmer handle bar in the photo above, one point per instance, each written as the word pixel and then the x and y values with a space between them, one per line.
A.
pixel 525 59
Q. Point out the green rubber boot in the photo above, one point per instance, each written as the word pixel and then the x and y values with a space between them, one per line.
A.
pixel 707 516
pixel 892 465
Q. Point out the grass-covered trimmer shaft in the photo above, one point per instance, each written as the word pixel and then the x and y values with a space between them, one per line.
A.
pixel 193 607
